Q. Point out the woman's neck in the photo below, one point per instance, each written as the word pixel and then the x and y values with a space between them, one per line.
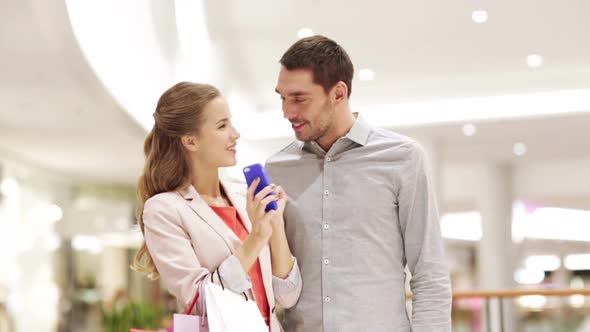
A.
pixel 206 180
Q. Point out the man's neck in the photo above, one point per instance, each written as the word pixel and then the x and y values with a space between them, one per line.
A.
pixel 341 126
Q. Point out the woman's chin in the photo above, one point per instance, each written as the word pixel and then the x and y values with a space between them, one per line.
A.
pixel 230 162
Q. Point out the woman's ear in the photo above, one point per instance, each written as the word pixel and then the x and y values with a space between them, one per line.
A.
pixel 189 143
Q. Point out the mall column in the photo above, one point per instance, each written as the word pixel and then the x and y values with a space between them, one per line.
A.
pixel 495 252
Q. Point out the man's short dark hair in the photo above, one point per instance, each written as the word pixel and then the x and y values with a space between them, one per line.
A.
pixel 327 60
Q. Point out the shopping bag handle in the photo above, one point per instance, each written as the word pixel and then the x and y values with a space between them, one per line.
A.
pixel 221 282
pixel 192 306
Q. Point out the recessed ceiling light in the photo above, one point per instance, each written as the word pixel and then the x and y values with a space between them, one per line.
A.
pixel 534 60
pixel 519 149
pixel 366 74
pixel 479 16
pixel 469 129
pixel 304 32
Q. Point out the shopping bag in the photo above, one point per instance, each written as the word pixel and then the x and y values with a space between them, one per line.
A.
pixel 231 312
pixel 185 322
pixel 190 323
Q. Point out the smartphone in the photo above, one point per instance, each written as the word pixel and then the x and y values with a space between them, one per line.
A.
pixel 257 171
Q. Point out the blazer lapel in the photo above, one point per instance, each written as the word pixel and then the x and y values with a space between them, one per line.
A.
pixel 202 209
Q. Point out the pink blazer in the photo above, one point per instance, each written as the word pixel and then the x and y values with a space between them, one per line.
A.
pixel 188 241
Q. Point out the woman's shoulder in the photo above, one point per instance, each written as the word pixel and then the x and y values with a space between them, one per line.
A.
pixel 165 197
pixel 166 200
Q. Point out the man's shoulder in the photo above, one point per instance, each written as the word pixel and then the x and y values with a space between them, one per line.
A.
pixel 289 152
pixel 390 135
pixel 392 139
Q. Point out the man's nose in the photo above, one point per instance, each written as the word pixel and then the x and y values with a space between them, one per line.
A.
pixel 289 113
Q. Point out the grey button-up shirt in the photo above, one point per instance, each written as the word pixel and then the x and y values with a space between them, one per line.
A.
pixel 356 215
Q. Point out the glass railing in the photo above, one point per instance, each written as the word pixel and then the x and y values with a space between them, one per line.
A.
pixel 522 310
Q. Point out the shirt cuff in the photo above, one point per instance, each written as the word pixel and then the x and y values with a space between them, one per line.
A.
pixel 291 281
pixel 233 276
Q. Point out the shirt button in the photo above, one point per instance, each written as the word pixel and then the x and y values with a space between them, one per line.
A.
pixel 328 159
pixel 326 261
pixel 326 226
pixel 326 193
pixel 327 299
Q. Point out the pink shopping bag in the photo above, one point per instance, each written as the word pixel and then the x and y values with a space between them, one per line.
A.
pixel 185 322
pixel 190 323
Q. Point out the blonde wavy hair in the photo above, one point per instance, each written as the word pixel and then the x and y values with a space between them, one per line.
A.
pixel 179 112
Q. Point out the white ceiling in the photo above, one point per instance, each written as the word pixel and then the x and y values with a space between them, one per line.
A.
pixel 419 50
pixel 56 112
pixel 546 139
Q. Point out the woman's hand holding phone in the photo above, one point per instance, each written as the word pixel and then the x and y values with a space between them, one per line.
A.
pixel 256 207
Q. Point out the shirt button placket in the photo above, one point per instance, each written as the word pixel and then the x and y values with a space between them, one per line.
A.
pixel 326 238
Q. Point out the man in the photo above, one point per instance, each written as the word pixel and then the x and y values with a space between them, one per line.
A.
pixel 361 207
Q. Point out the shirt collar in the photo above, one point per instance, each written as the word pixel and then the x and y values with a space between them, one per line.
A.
pixel 358 133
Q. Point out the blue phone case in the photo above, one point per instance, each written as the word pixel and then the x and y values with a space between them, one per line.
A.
pixel 257 171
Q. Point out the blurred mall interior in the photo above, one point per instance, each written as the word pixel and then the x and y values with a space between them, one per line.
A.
pixel 498 93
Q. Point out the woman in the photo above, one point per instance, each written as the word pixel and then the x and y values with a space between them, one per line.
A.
pixel 197 227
